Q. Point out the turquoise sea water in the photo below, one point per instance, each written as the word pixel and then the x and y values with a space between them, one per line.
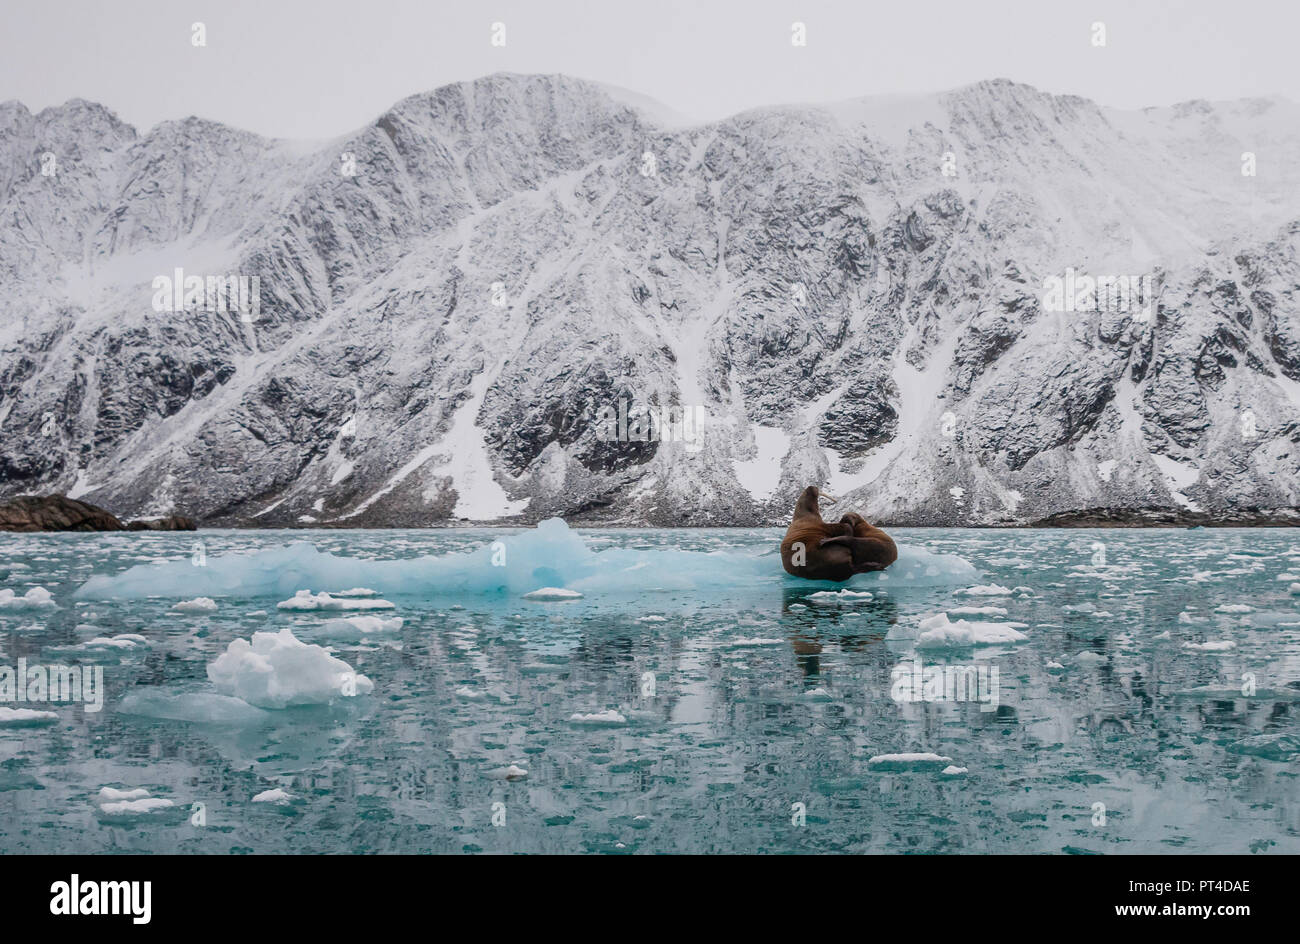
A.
pixel 735 711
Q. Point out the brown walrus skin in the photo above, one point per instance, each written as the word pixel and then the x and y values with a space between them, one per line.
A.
pixel 833 550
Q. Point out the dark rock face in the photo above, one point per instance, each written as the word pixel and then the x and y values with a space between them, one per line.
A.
pixel 852 294
pixel 55 513
pixel 169 523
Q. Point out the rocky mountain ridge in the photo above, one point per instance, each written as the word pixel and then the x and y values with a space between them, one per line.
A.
pixel 855 294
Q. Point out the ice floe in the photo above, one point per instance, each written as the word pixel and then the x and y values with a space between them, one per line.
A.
pixel 306 601
pixel 938 632
pixel 37 598
pixel 277 670
pixel 553 594
pixel 608 716
pixel 25 717
pixel 197 605
pixel 274 795
pixel 551 555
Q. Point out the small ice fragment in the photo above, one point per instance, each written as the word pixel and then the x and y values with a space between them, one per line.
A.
pixel 553 593
pixel 358 626
pixel 987 590
pixel 952 770
pixel 197 605
pixel 275 795
pixel 25 717
pixel 34 599
pixel 608 716
pixel 112 794
pixel 937 632
pixel 142 806
pixel 305 600
pixel 836 597
pixel 1221 645
pixel 977 611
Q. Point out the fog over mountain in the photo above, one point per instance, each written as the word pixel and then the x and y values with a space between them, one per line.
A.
pixel 452 298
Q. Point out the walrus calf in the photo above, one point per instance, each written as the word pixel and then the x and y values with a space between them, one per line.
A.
pixel 821 550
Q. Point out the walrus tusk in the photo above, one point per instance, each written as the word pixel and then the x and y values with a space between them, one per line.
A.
pixel 826 495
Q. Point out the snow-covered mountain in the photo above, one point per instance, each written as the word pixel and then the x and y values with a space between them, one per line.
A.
pixel 455 298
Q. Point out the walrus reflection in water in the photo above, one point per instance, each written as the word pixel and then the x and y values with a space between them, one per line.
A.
pixel 822 550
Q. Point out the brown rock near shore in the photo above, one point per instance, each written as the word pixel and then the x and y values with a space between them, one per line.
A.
pixel 55 513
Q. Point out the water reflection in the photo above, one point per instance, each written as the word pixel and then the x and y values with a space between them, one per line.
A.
pixel 729 709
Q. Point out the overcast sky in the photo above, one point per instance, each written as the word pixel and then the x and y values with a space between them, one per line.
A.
pixel 319 68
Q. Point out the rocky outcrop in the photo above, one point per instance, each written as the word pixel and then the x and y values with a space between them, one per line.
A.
pixel 853 295
pixel 55 513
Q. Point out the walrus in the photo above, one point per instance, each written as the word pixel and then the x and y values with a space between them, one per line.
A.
pixel 821 550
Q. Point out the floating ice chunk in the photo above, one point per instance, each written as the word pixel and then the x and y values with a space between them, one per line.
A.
pixel 356 627
pixel 1088 657
pixel 1234 608
pixel 915 761
pixel 818 694
pixel 275 795
pixel 305 600
pixel 551 555
pixel 198 707
pixel 985 590
pixel 952 770
pixel 356 592
pixel 473 694
pixel 141 807
pixel 747 641
pixel 1162 636
pixel 977 611
pixel 1294 588
pixel 652 619
pixel 840 597
pixel 277 670
pixel 512 772
pixel 608 716
pixel 122 641
pixel 37 598
pixel 112 794
pixel 25 717
pixel 197 605
pixel 1055 667
pixel 938 632
pixel 1221 645
pixel 553 594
